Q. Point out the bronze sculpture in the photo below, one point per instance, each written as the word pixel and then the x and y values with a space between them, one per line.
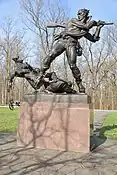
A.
pixel 68 41
pixel 56 85
pixel 24 70
pixel 50 80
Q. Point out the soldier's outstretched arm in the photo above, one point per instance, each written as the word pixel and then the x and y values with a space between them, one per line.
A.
pixel 91 38
pixel 95 37
pixel 54 25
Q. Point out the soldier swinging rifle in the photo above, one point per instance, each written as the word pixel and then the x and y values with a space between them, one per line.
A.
pixel 67 41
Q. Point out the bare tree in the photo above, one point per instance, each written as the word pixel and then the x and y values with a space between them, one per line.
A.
pixel 97 62
pixel 11 45
pixel 38 13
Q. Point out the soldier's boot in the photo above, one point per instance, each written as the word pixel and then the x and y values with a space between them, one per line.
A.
pixel 80 86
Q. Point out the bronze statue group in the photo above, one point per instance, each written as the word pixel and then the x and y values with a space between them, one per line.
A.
pixel 68 41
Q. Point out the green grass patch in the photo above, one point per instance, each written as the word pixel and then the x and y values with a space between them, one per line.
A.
pixel 8 119
pixel 109 128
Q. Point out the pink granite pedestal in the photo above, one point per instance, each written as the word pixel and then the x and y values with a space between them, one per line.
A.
pixel 60 122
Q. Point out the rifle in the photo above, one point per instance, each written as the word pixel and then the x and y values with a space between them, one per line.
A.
pixel 54 25
pixel 104 23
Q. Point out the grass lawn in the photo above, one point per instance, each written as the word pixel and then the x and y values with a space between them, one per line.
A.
pixel 109 128
pixel 8 119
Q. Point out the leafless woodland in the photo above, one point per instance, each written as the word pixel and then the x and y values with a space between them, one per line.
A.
pixel 98 63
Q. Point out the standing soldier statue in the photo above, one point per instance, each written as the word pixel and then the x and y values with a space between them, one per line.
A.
pixel 67 41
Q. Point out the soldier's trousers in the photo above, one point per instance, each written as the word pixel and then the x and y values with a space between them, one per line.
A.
pixel 71 54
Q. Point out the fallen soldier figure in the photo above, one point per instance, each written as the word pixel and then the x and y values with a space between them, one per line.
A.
pixel 50 81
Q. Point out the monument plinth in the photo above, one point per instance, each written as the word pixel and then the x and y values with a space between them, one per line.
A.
pixel 50 121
